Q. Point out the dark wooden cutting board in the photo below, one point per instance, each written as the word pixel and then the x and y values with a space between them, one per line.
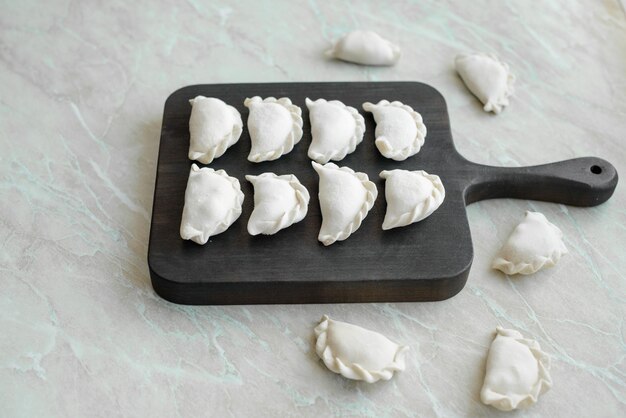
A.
pixel 426 261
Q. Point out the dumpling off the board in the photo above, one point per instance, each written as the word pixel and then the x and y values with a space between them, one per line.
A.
pixel 534 244
pixel 365 47
pixel 487 78
pixel 357 353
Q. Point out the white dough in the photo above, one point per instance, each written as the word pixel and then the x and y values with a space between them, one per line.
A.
pixel 279 202
pixel 213 202
pixel 213 127
pixel 400 131
pixel 345 199
pixel 365 47
pixel 275 126
pixel 533 245
pixel 336 129
pixel 517 372
pixel 357 353
pixel 411 196
pixel 487 78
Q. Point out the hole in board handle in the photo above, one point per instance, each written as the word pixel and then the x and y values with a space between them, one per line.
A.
pixel 596 169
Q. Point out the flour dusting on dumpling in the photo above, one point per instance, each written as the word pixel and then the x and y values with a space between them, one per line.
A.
pixel 213 127
pixel 533 245
pixel 213 202
pixel 411 196
pixel 279 202
pixel 275 126
pixel 517 372
pixel 336 129
pixel 345 199
pixel 400 130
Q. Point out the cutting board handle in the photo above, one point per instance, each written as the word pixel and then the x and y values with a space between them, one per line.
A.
pixel 587 181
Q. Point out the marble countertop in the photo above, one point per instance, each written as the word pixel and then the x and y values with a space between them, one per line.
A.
pixel 83 333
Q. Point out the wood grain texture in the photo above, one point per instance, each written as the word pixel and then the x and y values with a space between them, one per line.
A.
pixel 426 261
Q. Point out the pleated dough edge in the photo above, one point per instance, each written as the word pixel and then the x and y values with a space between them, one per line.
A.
pixel 541 262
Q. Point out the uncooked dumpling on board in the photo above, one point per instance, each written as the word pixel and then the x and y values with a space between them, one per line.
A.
pixel 213 202
pixel 533 245
pixel 400 131
pixel 517 372
pixel 345 199
pixel 357 353
pixel 213 127
pixel 336 129
pixel 411 196
pixel 365 47
pixel 487 78
pixel 275 126
pixel 279 202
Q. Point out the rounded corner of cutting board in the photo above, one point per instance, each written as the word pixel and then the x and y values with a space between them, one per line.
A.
pixel 458 281
pixel 182 91
pixel 169 290
pixel 446 286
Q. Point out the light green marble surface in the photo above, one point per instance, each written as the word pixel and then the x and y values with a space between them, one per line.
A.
pixel 82 87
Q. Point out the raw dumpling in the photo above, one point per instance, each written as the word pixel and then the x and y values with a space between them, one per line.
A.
pixel 279 201
pixel 213 127
pixel 400 131
pixel 275 126
pixel 411 196
pixel 534 244
pixel 336 129
pixel 487 78
pixel 365 47
pixel 357 353
pixel 345 199
pixel 517 372
pixel 213 202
